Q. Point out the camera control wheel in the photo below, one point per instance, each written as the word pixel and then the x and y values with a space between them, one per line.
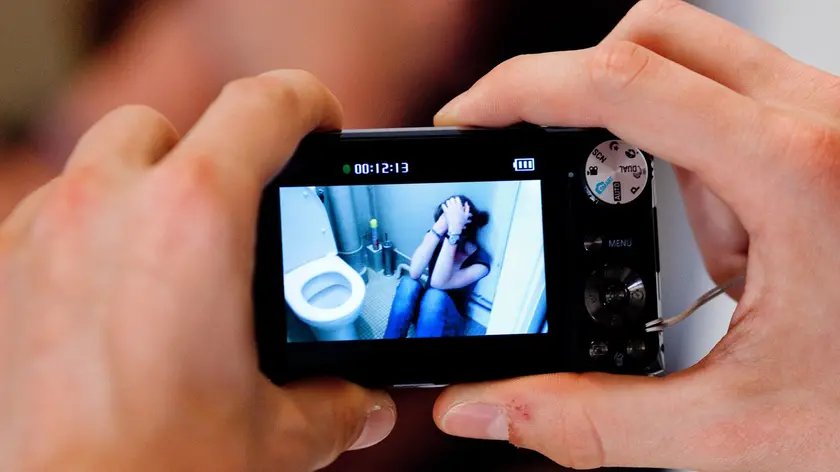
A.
pixel 616 173
pixel 614 296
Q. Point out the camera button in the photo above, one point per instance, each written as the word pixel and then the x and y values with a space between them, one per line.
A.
pixel 636 348
pixel 598 349
pixel 619 359
pixel 593 243
pixel 614 296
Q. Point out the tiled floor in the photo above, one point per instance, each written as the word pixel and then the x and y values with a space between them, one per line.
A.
pixel 371 324
pixel 379 295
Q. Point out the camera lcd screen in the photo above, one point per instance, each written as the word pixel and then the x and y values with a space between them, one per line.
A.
pixel 401 257
pixel 413 260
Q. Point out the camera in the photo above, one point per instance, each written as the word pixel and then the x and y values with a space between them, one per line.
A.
pixel 433 256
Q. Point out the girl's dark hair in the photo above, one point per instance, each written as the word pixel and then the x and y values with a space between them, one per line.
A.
pixel 479 218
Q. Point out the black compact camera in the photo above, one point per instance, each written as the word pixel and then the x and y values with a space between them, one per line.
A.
pixel 432 256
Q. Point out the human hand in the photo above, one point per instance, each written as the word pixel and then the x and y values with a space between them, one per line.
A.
pixel 457 215
pixel 759 131
pixel 126 337
pixel 440 225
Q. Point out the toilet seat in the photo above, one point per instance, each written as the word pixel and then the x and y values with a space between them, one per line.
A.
pixel 295 281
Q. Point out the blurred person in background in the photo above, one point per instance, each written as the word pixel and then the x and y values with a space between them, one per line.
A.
pixel 389 62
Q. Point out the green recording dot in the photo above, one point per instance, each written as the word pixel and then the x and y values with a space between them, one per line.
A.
pixel 347 169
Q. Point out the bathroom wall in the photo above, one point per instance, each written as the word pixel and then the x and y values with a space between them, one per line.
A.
pixel 522 279
pixel 364 211
pixel 406 212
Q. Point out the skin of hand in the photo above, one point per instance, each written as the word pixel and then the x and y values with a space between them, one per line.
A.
pixel 441 226
pixel 457 215
pixel 123 346
pixel 756 135
pixel 378 58
pixel 423 254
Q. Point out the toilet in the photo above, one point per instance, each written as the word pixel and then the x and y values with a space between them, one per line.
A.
pixel 322 290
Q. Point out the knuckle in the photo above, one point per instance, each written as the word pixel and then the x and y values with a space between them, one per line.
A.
pixel 294 430
pixel 71 201
pixel 193 188
pixel 350 422
pixel 577 442
pixel 513 70
pixel 515 63
pixel 755 56
pixel 148 119
pixel 265 95
pixel 346 416
pixel 817 144
pixel 817 140
pixel 583 442
pixel 123 122
pixel 139 117
pixel 138 112
pixel 616 66
pixel 296 77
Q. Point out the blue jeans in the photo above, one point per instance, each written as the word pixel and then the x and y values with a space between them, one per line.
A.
pixel 432 310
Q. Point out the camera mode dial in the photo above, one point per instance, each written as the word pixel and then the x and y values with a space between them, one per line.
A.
pixel 614 296
pixel 616 173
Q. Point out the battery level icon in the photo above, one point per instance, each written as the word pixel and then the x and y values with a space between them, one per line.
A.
pixel 523 164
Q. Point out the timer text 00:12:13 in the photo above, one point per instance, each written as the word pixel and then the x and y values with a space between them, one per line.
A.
pixel 380 168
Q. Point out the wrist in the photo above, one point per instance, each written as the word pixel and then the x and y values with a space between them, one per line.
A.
pixel 439 228
pixel 456 229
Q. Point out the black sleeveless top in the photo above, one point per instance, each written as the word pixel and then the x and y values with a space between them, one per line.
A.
pixel 461 296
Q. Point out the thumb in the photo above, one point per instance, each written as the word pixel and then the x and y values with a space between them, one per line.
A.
pixel 307 425
pixel 582 421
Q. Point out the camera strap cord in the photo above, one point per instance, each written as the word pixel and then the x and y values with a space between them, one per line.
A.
pixel 662 323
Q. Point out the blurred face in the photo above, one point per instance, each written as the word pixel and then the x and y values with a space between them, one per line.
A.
pixel 359 48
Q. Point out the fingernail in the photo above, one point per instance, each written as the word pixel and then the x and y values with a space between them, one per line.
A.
pixel 476 420
pixel 450 110
pixel 380 422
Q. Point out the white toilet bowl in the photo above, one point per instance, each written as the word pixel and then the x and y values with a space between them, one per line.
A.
pixel 327 295
pixel 320 287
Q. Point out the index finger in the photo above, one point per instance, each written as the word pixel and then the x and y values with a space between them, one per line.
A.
pixel 671 111
pixel 253 128
pixel 726 53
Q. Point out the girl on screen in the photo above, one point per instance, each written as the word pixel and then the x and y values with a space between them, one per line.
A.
pixel 456 263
